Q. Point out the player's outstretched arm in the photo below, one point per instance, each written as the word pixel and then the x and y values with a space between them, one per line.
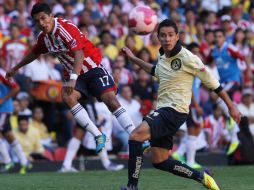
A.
pixel 30 57
pixel 144 65
pixel 234 112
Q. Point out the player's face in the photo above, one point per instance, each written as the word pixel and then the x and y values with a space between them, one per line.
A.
pixel 44 21
pixel 168 38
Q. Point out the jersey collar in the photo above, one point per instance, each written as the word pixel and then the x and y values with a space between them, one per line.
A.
pixel 174 51
pixel 55 27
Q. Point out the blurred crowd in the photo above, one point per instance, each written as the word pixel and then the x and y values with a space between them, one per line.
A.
pixel 221 33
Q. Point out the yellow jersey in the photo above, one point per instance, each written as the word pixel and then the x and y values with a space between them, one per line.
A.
pixel 175 76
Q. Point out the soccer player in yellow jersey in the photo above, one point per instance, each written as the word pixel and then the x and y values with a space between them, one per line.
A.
pixel 175 70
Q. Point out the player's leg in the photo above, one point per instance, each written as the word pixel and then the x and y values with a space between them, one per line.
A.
pixel 162 162
pixel 16 147
pixel 109 98
pixel 8 165
pixel 82 117
pixel 79 112
pixel 72 149
pixel 136 139
pixel 194 123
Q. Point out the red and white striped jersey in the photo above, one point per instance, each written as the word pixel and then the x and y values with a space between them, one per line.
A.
pixel 64 40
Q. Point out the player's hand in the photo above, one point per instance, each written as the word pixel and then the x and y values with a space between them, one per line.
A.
pixel 9 74
pixel 69 87
pixel 199 110
pixel 235 114
pixel 127 52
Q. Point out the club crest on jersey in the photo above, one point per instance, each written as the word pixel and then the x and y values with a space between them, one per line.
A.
pixel 176 64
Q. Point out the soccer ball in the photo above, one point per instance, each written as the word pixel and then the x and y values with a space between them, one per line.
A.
pixel 142 20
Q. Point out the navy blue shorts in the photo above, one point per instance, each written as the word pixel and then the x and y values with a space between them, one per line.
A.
pixel 5 125
pixel 164 123
pixel 95 82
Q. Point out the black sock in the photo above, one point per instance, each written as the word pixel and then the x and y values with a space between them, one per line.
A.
pixel 135 162
pixel 180 169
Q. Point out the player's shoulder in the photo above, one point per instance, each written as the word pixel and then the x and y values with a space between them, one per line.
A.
pixel 65 23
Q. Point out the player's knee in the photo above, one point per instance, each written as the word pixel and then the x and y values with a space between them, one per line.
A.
pixel 135 136
pixel 112 103
pixel 69 100
pixel 161 166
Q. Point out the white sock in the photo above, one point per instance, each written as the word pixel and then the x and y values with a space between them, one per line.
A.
pixel 4 152
pixel 191 149
pixel 72 150
pixel 124 119
pixel 19 152
pixel 182 146
pixel 83 119
pixel 104 158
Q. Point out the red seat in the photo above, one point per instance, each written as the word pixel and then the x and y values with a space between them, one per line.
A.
pixel 59 154
pixel 49 155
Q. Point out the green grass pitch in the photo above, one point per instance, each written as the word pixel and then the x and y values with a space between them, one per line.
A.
pixel 229 178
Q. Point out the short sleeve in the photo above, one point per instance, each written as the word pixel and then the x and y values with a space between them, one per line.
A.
pixel 197 68
pixel 73 37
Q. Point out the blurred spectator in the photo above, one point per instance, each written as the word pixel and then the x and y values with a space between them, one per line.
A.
pixel 69 13
pixel 133 106
pixel 246 107
pixel 8 89
pixel 144 91
pixel 108 48
pixel 228 27
pixel 13 51
pixel 207 45
pixel 215 128
pixel 38 124
pixel 14 115
pixel 125 74
pixel 214 5
pixel 225 56
pixel 153 47
pixel 211 21
pixel 5 21
pixel 29 139
pixel 24 101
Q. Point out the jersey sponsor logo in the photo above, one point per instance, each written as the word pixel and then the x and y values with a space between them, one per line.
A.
pixel 176 64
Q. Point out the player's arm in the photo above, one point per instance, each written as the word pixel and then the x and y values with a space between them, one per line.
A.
pixel 14 88
pixel 30 57
pixel 144 65
pixel 207 78
pixel 78 62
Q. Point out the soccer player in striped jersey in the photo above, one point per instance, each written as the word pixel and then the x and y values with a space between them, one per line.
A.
pixel 176 69
pixel 83 71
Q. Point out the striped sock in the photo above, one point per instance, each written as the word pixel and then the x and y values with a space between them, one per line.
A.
pixel 124 119
pixel 83 120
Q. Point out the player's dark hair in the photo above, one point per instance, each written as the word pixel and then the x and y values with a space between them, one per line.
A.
pixel 167 23
pixel 40 7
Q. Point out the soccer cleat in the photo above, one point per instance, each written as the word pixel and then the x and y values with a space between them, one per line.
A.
pixel 68 170
pixel 146 146
pixel 100 142
pixel 114 167
pixel 25 169
pixel 178 157
pixel 7 167
pixel 209 182
pixel 232 147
